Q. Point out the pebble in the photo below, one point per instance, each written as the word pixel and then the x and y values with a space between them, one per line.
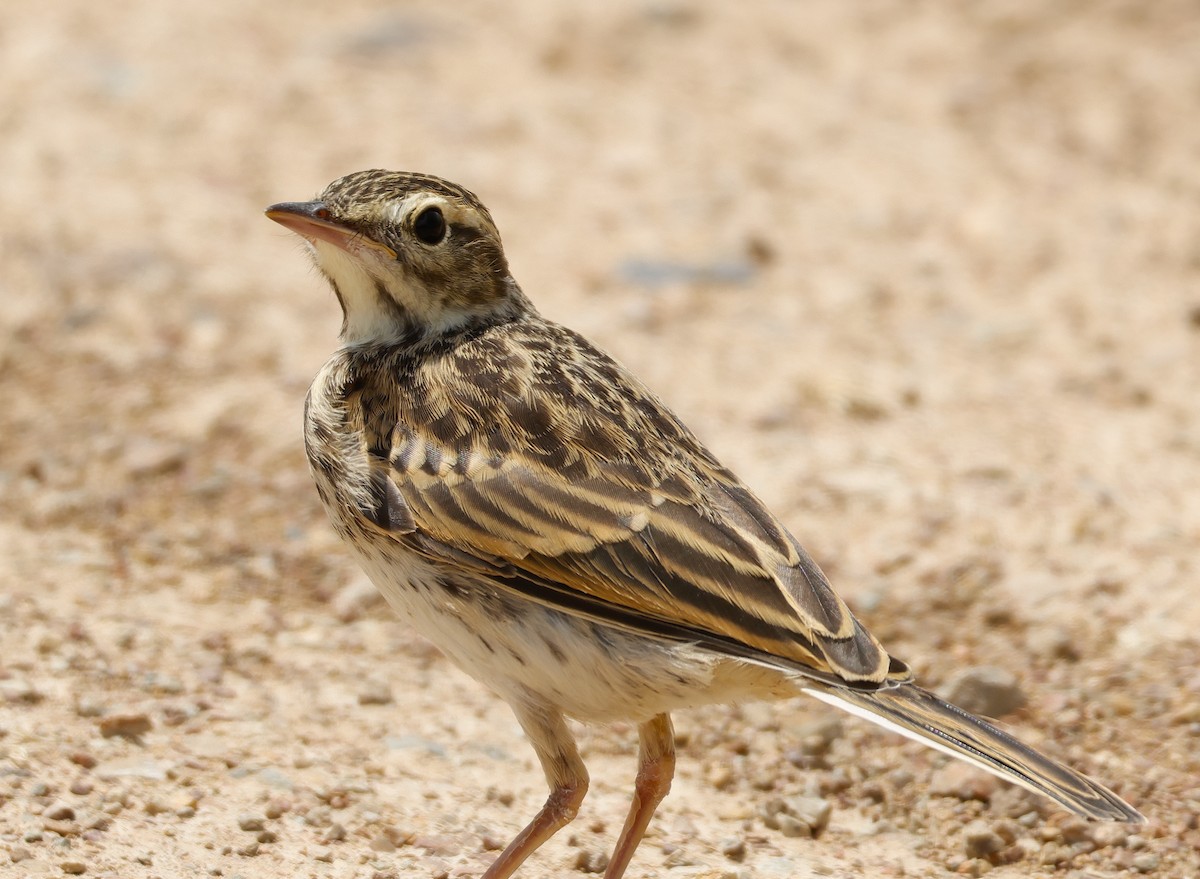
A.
pixel 73 868
pixel 81 787
pixel 813 811
pixel 980 841
pixel 83 758
pixel 137 766
pixel 1052 642
pixel 62 828
pixel 155 806
pixel 796 816
pixel 590 861
pixel 986 690
pixel 734 849
pixel 59 811
pixel 335 833
pixel 1146 862
pixel 129 726
pixel 20 691
pixel 962 781
pixel 252 823
pixel 19 854
pixel 974 867
pixel 145 456
pixel 355 599
pixel 382 843
pixel 719 775
pixel 1109 833
pixel 90 708
pixel 375 693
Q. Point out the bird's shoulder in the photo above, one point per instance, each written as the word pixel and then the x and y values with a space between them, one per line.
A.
pixel 532 391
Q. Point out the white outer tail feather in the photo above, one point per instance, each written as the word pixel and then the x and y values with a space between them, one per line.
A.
pixel 1113 807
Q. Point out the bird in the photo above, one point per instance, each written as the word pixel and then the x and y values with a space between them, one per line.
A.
pixel 537 513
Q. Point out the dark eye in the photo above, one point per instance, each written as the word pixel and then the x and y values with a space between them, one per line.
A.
pixel 430 226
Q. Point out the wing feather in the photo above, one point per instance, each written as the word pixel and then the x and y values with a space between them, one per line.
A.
pixel 710 557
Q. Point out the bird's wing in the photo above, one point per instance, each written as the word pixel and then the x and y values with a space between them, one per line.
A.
pixel 686 554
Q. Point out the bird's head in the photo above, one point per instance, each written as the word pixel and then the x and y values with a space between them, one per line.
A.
pixel 405 253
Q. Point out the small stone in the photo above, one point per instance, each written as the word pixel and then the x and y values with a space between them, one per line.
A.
pixel 129 726
pixel 734 849
pixel 974 867
pixel 155 806
pixel 62 828
pixel 266 836
pixel 826 731
pixel 437 844
pixel 813 811
pixel 355 599
pixel 73 868
pixel 590 861
pixel 90 708
pixel 252 823
pixel 83 758
pixel 1146 862
pixel 800 817
pixel 325 856
pixel 992 692
pixel 1109 833
pixel 276 808
pixel 248 851
pixel 81 787
pixel 962 781
pixel 793 827
pixel 1055 853
pixel 335 833
pixel 19 691
pixel 375 693
pixel 146 456
pixel 136 766
pixel 59 811
pixel 980 841
pixel 1053 642
pixel 720 775
pixel 19 854
pixel 382 843
pixel 770 810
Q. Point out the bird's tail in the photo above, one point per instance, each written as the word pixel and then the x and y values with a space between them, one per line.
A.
pixel 920 715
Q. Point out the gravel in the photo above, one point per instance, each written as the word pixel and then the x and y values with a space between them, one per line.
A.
pixel 987 691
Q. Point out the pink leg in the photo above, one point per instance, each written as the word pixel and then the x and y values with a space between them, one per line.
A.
pixel 568 780
pixel 656 768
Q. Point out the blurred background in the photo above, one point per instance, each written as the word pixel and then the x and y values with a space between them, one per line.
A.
pixel 926 275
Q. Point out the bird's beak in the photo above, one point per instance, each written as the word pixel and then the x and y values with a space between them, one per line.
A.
pixel 312 221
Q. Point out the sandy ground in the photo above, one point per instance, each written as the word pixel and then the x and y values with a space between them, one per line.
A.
pixel 927 275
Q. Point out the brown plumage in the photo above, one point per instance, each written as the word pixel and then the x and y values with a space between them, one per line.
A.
pixel 543 518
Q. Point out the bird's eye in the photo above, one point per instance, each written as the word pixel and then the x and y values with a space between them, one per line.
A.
pixel 430 226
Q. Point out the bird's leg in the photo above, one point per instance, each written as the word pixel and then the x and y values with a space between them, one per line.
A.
pixel 656 768
pixel 566 775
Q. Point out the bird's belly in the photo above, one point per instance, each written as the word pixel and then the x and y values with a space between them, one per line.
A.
pixel 526 652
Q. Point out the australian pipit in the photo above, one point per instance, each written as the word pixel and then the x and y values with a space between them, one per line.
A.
pixel 539 515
